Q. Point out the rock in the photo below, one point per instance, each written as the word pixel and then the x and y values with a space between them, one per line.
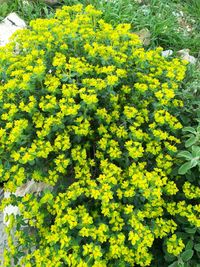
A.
pixel 10 209
pixel 145 36
pixel 167 53
pixel 51 2
pixel 178 14
pixel 145 9
pixel 8 26
pixel 184 54
pixel 27 188
pixel 139 1
pixel 32 187
pixel 15 20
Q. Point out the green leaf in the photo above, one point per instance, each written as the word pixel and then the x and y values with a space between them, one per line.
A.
pixel 183 235
pixel 189 244
pixel 194 162
pixel 197 247
pixel 181 220
pixel 32 162
pixel 184 168
pixel 187 255
pixel 174 264
pixel 177 264
pixel 169 257
pixel 189 129
pixel 196 151
pixel 185 154
pixel 190 230
pixel 190 141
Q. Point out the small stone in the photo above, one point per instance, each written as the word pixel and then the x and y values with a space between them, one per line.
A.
pixel 51 2
pixel 139 1
pixel 145 10
pixel 167 53
pixel 184 54
pixel 178 14
pixel 8 26
pixel 181 13
pixel 15 20
pixel 145 36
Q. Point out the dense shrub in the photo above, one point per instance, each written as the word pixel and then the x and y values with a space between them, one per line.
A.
pixel 87 110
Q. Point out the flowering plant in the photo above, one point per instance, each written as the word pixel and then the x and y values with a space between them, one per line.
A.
pixel 87 110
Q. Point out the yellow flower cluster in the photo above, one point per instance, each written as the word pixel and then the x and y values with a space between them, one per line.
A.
pixel 175 245
pixel 189 211
pixel 86 109
pixel 191 191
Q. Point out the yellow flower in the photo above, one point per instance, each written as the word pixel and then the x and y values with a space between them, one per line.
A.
pixel 175 245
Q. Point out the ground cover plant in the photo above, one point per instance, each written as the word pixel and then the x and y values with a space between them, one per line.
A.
pixel 98 111
pixel 111 127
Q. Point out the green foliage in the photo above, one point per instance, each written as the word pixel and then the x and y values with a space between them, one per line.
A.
pixel 82 103
pixel 190 94
pixel 27 10
pixel 188 166
pixel 190 116
pixel 187 255
pixel 192 155
pixel 85 109
pixel 193 7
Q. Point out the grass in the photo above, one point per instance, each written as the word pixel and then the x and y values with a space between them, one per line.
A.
pixel 193 7
pixel 27 10
pixel 160 17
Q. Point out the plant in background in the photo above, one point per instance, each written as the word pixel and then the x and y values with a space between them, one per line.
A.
pixel 192 155
pixel 188 171
pixel 87 110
